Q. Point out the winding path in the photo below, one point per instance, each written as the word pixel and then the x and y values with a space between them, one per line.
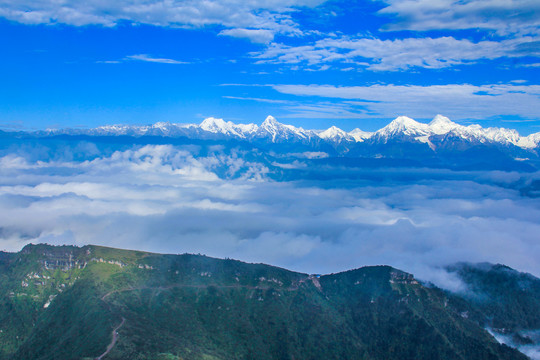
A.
pixel 114 339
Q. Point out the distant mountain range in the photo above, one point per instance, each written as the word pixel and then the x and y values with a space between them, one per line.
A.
pixel 403 142
pixel 439 131
pixel 94 302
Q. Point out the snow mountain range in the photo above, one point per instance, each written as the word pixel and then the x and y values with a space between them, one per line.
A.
pixel 402 129
pixel 404 142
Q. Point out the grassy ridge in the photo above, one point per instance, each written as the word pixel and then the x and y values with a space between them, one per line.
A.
pixel 64 302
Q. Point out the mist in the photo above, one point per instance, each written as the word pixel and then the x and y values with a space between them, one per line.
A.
pixel 223 202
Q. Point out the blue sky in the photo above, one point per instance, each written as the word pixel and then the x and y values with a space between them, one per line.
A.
pixel 310 63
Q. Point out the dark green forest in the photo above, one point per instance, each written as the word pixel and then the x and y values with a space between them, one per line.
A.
pixel 68 302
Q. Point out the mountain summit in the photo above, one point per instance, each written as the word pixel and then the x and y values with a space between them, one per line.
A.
pixel 442 125
pixel 278 132
pixel 402 126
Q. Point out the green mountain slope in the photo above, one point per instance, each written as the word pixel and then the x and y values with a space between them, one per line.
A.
pixel 510 300
pixel 76 303
pixel 502 299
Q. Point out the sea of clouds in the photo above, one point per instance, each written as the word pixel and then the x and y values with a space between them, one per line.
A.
pixel 227 202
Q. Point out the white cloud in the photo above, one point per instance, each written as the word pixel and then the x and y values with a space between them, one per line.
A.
pixel 534 65
pixel 255 35
pixel 309 110
pixel 458 101
pixel 271 16
pixel 148 58
pixel 394 55
pixel 506 17
pixel 175 200
pixel 270 101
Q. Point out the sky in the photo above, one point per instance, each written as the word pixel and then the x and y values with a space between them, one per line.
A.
pixel 309 63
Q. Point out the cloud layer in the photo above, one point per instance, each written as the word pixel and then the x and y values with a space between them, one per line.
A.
pixel 457 101
pixel 514 17
pixel 213 201
pixel 392 55
pixel 246 16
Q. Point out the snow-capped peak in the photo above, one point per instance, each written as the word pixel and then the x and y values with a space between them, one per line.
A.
pixel 403 121
pixel 334 133
pixel 403 125
pixel 442 125
pixel 215 125
pixel 272 127
pixel 219 126
pixel 281 132
pixel 360 135
pixel 530 142
pixel 162 125
pixel 271 123
pixel 440 119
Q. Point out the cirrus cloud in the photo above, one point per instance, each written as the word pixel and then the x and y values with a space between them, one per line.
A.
pixel 396 54
pixel 459 101
pixel 510 17
pixel 148 58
